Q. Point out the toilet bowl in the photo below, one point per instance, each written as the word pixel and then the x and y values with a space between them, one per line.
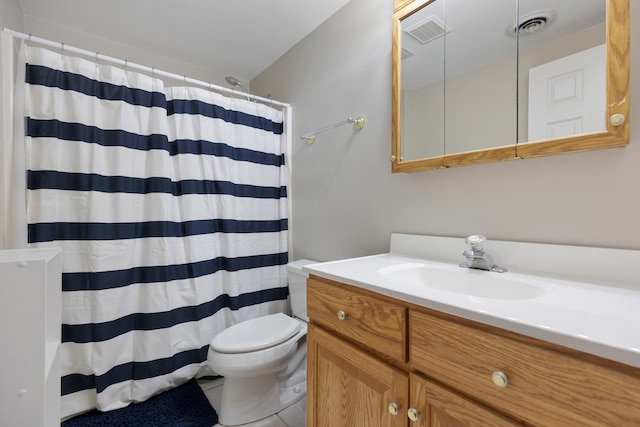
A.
pixel 263 360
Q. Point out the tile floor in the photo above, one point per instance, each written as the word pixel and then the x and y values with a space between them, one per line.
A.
pixel 293 416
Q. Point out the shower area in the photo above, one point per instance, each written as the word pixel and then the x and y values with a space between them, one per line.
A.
pixel 170 204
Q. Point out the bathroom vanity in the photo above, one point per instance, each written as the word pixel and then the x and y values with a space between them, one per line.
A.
pixel 385 348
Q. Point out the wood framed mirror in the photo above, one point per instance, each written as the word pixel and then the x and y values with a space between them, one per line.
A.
pixel 472 83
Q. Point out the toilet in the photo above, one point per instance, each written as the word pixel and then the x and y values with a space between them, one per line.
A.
pixel 263 360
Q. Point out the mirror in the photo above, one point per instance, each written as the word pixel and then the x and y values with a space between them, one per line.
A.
pixel 476 82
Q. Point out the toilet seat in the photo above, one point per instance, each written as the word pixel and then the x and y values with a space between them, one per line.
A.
pixel 256 334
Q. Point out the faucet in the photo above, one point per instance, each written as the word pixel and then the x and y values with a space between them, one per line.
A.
pixel 477 257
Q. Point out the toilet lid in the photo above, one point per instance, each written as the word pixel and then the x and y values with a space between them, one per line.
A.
pixel 256 334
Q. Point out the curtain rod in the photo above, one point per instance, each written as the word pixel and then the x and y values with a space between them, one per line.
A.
pixel 153 71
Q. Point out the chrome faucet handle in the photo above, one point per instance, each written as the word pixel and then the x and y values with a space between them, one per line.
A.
pixel 477 258
pixel 475 242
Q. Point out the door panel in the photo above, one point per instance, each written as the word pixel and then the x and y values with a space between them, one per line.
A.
pixel 568 96
pixel 351 388
pixel 440 407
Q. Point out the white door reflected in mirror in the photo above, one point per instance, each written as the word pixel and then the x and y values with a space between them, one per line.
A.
pixel 568 96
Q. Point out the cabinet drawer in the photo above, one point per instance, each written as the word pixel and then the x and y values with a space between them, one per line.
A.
pixel 373 322
pixel 545 387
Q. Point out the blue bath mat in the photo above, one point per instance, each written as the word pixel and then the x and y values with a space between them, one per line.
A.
pixel 183 406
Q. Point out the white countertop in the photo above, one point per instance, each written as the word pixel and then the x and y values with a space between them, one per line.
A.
pixel 599 319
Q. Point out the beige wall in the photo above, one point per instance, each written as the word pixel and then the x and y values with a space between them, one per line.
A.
pixel 83 40
pixel 10 15
pixel 484 99
pixel 346 202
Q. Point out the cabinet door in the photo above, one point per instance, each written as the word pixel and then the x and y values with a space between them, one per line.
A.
pixel 348 387
pixel 437 406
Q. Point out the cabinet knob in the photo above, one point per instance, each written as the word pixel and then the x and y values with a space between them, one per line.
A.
pixel 500 379
pixel 413 414
pixel 341 315
pixel 616 119
pixel 393 408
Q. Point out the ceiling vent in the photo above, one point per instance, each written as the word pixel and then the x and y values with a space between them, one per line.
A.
pixel 427 30
pixel 532 22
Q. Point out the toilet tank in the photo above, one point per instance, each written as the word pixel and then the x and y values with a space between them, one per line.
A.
pixel 297 280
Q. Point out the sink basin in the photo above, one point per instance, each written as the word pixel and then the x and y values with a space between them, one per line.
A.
pixel 564 297
pixel 475 283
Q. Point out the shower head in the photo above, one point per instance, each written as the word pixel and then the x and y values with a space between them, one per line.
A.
pixel 235 82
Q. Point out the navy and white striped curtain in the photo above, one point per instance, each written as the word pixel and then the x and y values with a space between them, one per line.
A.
pixel 170 205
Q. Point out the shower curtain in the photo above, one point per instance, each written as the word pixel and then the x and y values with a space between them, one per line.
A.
pixel 170 205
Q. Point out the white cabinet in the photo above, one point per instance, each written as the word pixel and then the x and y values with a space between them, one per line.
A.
pixel 30 326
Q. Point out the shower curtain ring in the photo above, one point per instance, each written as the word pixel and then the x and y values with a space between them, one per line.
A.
pixel 29 39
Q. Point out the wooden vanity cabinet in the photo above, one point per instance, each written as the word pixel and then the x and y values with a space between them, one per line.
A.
pixel 537 382
pixel 349 387
pixel 377 361
pixel 356 357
